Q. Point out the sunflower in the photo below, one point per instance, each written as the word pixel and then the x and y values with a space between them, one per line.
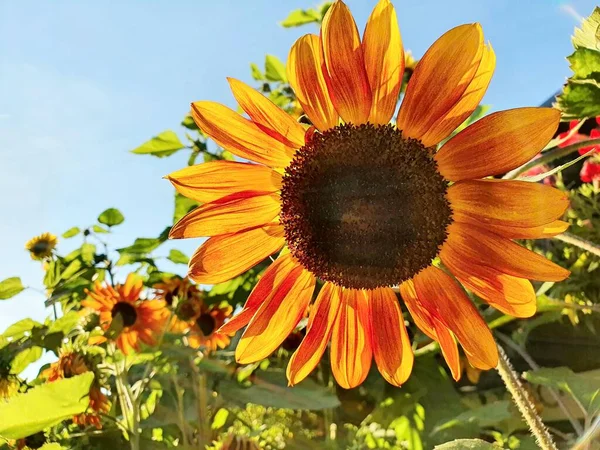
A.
pixel 139 320
pixel 175 288
pixel 204 330
pixel 41 247
pixel 364 205
pixel 71 363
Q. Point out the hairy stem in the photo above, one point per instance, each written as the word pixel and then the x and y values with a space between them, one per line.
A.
pixel 579 242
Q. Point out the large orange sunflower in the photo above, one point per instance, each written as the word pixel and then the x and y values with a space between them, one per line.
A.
pixel 142 320
pixel 364 205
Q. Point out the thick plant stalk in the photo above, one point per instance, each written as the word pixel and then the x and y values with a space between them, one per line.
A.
pixel 521 399
pixel 579 242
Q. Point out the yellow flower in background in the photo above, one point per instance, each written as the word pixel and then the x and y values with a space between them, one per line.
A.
pixel 364 205
pixel 175 288
pixel 205 332
pixel 41 247
pixel 139 320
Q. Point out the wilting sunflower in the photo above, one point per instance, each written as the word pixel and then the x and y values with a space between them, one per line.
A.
pixel 364 205
pixel 41 247
pixel 204 330
pixel 71 363
pixel 139 320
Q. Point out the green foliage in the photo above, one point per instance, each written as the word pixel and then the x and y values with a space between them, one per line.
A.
pixel 161 145
pixel 274 69
pixel 71 232
pixel 178 257
pixel 467 444
pixel 44 406
pixel 10 287
pixel 300 17
pixel 111 217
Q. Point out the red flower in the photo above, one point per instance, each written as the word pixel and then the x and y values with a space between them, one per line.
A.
pixel 590 171
pixel 578 137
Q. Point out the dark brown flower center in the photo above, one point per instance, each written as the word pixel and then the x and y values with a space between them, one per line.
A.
pixel 363 207
pixel 206 323
pixel 126 311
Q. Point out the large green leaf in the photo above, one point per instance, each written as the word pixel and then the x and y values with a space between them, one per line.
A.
pixel 588 36
pixel 24 358
pixel 467 444
pixel 483 416
pixel 164 144
pixel 18 329
pixel 44 406
pixel 10 287
pixel 274 69
pixel 111 217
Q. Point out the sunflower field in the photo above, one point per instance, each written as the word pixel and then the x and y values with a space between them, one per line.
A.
pixel 381 263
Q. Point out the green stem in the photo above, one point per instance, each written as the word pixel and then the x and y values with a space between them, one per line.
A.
pixel 523 402
pixel 180 410
pixel 583 244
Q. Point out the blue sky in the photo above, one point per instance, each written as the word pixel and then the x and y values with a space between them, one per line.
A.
pixel 84 82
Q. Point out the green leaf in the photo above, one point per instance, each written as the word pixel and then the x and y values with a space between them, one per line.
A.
pixel 183 205
pixel 44 406
pixel 584 386
pixel 142 245
pixel 274 69
pixel 18 329
pixel 189 123
pixel 178 257
pixel 588 36
pixel 10 287
pixel 65 324
pixel 71 269
pixel 467 444
pixel 483 416
pixel 585 63
pixel 164 144
pixel 71 232
pixel 88 251
pixel 111 217
pixel 256 72
pixel 52 446
pixel 301 17
pixel 24 358
pixel 220 419
pixel 579 100
pixel 99 229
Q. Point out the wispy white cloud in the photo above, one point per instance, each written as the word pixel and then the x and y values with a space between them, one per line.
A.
pixel 570 10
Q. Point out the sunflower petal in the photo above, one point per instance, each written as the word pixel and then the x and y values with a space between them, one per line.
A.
pixel 276 317
pixel 351 350
pixel 497 143
pixel 227 215
pixel 543 231
pixel 344 65
pixel 320 325
pixel 504 202
pixel 240 136
pixel 308 82
pixel 440 79
pixel 268 116
pixel 391 346
pixel 384 61
pixel 467 103
pixel 224 257
pixel 470 244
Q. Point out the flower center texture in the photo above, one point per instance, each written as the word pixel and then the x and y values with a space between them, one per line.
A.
pixel 127 312
pixel 206 323
pixel 363 207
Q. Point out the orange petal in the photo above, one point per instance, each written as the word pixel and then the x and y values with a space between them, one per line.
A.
pixel 320 325
pixel 541 232
pixel 445 300
pixel 344 65
pixel 351 350
pixel 239 135
pixel 277 317
pixel 432 327
pixel 440 79
pixel 384 61
pixel 503 202
pixel 511 295
pixel 473 245
pixel 308 82
pixel 497 143
pixel 269 282
pixel 268 116
pixel 227 215
pixel 213 180
pixel 391 346
pixel 467 103
pixel 224 257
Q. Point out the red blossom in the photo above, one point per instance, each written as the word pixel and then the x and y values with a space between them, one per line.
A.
pixel 590 171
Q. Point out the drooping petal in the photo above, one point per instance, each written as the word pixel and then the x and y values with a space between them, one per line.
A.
pixel 504 202
pixel 432 327
pixel 444 299
pixel 224 257
pixel 239 135
pixel 467 103
pixel 497 143
pixel 351 350
pixel 391 345
pixel 543 231
pixel 277 317
pixel 308 82
pixel 227 215
pixel 268 116
pixel 268 283
pixel 470 244
pixel 213 180
pixel 320 325
pixel 344 65
pixel 440 79
pixel 384 61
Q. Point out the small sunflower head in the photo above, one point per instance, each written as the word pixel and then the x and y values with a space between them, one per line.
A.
pixel 175 290
pixel 41 247
pixel 204 331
